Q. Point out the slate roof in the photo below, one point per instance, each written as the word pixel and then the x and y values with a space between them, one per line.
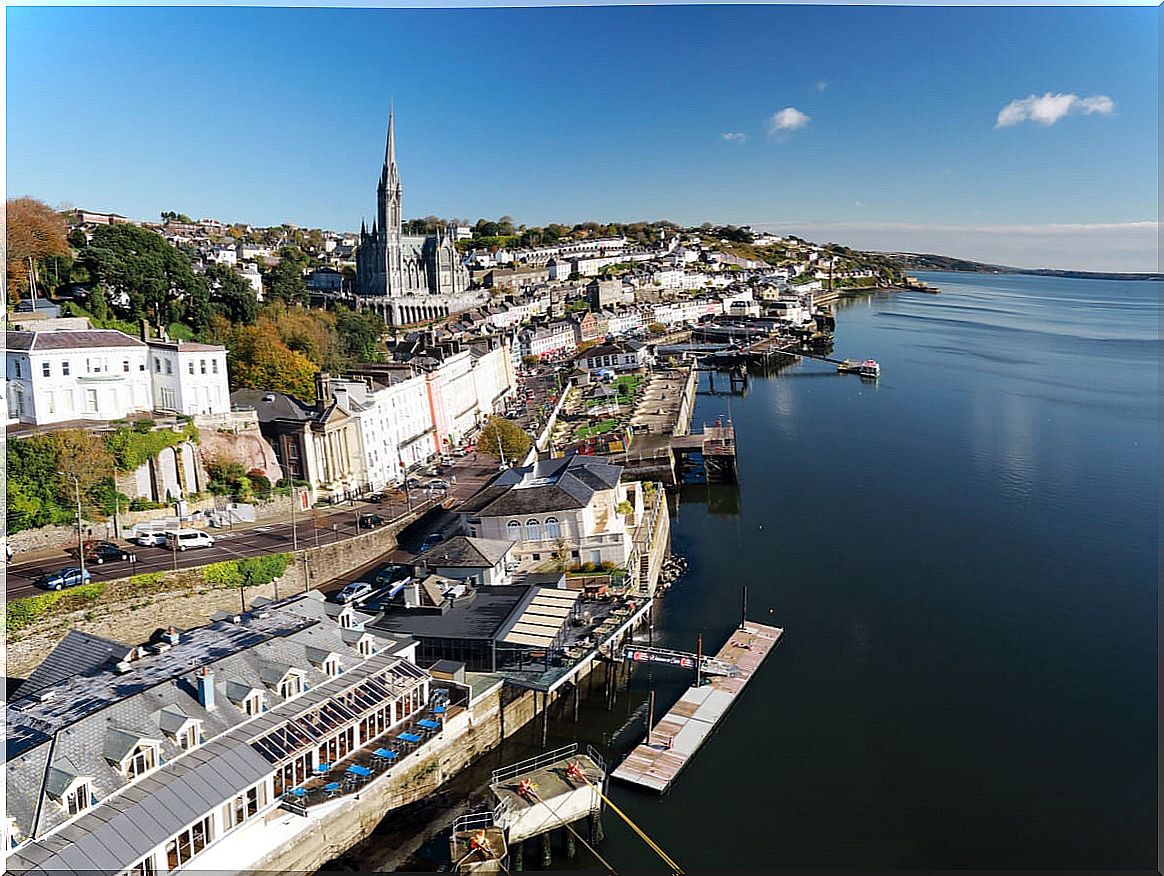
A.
pixel 90 721
pixel 466 552
pixel 78 654
pixel 548 485
pixel 281 407
pixel 69 340
pixel 481 616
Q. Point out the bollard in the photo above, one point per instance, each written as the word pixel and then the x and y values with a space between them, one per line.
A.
pixel 571 846
pixel 547 850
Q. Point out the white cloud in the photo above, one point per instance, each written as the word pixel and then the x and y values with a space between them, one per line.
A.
pixel 786 120
pixel 1049 108
pixel 1097 246
pixel 821 85
pixel 735 137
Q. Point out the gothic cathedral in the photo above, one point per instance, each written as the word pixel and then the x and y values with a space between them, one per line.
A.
pixel 407 278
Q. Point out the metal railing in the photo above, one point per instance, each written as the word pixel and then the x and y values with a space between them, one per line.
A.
pixel 533 763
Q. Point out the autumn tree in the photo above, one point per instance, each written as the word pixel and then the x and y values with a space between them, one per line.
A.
pixel 34 231
pixel 257 358
pixel 502 438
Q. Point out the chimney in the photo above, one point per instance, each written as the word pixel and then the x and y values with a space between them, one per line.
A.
pixel 171 636
pixel 322 390
pixel 206 688
pixel 145 329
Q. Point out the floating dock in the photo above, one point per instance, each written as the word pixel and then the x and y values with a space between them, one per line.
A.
pixel 657 762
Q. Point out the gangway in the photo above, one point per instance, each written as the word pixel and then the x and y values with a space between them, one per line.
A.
pixel 682 659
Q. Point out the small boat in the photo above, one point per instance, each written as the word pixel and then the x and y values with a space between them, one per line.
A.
pixel 869 368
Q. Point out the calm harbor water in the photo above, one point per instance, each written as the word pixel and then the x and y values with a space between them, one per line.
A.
pixel 964 558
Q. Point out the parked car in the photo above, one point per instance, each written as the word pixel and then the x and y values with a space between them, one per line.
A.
pixel 391 574
pixel 370 521
pixel 100 551
pixel 431 541
pixel 412 483
pixel 183 539
pixel 353 591
pixel 62 578
pixel 438 484
pixel 151 538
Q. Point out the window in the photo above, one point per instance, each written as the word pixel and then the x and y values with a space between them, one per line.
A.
pixel 46 369
pixel 91 401
pixel 141 365
pixel 157 366
pixel 188 843
pixel 202 364
pixel 243 807
pixel 143 759
pixel 553 528
pixel 65 369
pixel 214 365
pixel 78 800
pixel 169 367
pixel 291 686
pixel 366 646
pixel 125 366
pixel 513 530
pixel 331 666
pixel 144 867
pixel 533 530
pixel 253 705
pixel 191 365
pixel 188 738
pixel 16 367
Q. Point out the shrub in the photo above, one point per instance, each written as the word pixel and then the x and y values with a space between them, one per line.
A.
pixel 224 574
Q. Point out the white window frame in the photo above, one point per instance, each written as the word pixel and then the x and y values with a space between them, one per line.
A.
pixel 253 704
pixel 78 800
pixel 142 760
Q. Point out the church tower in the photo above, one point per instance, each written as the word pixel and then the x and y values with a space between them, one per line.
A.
pixel 389 195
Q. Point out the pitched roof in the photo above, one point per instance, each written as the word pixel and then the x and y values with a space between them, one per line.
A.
pixel 546 486
pixel 78 654
pixel 69 340
pixel 466 552
pixel 280 406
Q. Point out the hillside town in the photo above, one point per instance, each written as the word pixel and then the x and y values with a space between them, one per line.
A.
pixel 481 420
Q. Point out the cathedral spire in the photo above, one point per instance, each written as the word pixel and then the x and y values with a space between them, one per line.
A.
pixel 390 146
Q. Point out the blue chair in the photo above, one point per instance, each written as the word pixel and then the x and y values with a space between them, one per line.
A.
pixel 385 754
pixel 439 710
pixel 299 793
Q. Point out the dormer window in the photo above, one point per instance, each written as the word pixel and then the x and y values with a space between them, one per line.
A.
pixel 365 646
pixel 332 667
pixel 189 737
pixel 253 704
pixel 78 799
pixel 143 759
pixel 291 686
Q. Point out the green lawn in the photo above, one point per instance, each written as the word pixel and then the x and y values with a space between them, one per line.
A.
pixel 599 428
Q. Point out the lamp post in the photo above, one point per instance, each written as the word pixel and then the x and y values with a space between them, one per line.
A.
pixel 80 538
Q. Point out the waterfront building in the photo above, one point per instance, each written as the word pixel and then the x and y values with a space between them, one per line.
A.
pixel 482 562
pixel 574 504
pixel 617 355
pixel 153 759
pixel 102 375
pixel 407 278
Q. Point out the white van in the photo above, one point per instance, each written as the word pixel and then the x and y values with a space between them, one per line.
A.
pixel 181 539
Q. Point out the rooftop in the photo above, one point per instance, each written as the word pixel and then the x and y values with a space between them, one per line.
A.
pixel 69 340
pixel 465 552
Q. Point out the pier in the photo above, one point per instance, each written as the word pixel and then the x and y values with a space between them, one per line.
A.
pixel 657 761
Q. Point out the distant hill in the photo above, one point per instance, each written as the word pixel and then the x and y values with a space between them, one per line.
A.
pixel 913 261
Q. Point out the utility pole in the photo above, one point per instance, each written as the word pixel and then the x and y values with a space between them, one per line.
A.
pixel 294 502
pixel 80 537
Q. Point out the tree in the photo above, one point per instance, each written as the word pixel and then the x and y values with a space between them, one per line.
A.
pixel 34 231
pixel 171 216
pixel 141 273
pixel 285 281
pixel 359 333
pixel 529 360
pixel 504 436
pixel 231 295
pixel 656 328
pixel 259 359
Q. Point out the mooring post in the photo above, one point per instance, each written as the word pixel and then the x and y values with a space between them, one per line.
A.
pixel 577 694
pixel 571 846
pixel 518 855
pixel 547 849
pixel 545 716
pixel 596 827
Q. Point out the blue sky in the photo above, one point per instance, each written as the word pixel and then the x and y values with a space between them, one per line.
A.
pixel 891 133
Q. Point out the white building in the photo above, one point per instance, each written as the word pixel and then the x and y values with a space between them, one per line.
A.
pixel 616 355
pixel 626 320
pixel 548 340
pixel 575 503
pixel 251 273
pixel 57 376
pixel 188 378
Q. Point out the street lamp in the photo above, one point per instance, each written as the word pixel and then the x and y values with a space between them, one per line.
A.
pixel 80 538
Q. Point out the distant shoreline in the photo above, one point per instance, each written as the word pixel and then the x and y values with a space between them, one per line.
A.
pixel 931 262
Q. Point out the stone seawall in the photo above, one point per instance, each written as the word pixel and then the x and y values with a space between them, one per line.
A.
pixel 130 611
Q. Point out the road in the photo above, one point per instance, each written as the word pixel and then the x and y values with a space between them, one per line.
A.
pixel 318 526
